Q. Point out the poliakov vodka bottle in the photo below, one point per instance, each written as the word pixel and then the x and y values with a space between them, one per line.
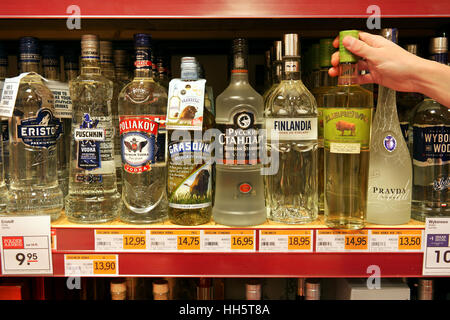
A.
pixel 347 118
pixel 142 116
pixel 431 128
pixel 4 121
pixel 390 168
pixel 291 112
pixel 239 195
pixel 33 132
pixel 93 196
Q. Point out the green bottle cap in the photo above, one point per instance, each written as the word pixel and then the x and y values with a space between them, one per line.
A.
pixel 326 51
pixel 315 51
pixel 344 54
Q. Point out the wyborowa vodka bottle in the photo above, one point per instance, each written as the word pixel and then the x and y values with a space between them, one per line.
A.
pixel 239 195
pixel 93 195
pixel 390 168
pixel 291 111
pixel 142 115
pixel 33 131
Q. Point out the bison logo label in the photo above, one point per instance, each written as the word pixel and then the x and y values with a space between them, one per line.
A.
pixel 346 127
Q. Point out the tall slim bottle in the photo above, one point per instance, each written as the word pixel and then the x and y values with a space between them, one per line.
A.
pixel 93 196
pixel 390 168
pixel 239 195
pixel 71 64
pixel 277 69
pixel 34 188
pixel 4 121
pixel 347 117
pixel 142 116
pixel 291 112
pixel 431 163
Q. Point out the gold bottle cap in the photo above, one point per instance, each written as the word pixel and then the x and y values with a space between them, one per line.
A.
pixel 390 33
pixel 291 45
pixel 425 290
pixel 312 289
pixel 412 48
pixel 118 289
pixel 160 287
pixel 278 50
pixel 253 290
pixel 439 45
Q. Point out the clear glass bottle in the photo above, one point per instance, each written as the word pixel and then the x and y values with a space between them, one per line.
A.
pixel 291 111
pixel 239 194
pixel 326 83
pixel 431 163
pixel 142 115
pixel 268 70
pixel 160 289
pixel 347 117
pixel 93 196
pixel 163 79
pixel 190 184
pixel 277 69
pixel 390 168
pixel 4 121
pixel 315 56
pixel 33 132
pixel 71 64
pixel 121 67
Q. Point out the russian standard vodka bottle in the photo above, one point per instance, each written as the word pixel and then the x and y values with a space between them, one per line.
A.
pixel 431 134
pixel 93 195
pixel 190 174
pixel 33 132
pixel 4 121
pixel 239 195
pixel 291 111
pixel 142 115
pixel 347 118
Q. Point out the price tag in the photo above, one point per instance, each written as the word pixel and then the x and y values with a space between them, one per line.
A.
pixel 90 265
pixel 120 240
pixel 228 241
pixel 9 95
pixel 25 245
pixel 342 241
pixel 174 240
pixel 396 240
pixel 285 240
pixel 436 260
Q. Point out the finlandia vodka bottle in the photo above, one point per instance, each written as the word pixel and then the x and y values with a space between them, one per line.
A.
pixel 4 121
pixel 239 195
pixel 33 131
pixel 93 195
pixel 291 111
pixel 431 134
pixel 142 115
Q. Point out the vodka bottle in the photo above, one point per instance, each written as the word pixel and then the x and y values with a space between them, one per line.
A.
pixel 347 118
pixel 291 111
pixel 142 115
pixel 33 132
pixel 390 169
pixel 4 121
pixel 431 128
pixel 93 195
pixel 71 66
pixel 163 78
pixel 277 69
pixel 239 195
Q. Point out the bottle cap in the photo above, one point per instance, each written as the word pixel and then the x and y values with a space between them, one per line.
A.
pixel 291 45
pixel 301 287
pixel 89 46
pixel 312 290
pixel 240 45
pixel 49 51
pixel 278 50
pixel 390 33
pixel 425 289
pixel 253 290
pixel 120 58
pixel 439 45
pixel 118 286
pixel 316 56
pixel 412 48
pixel 142 40
pixel 106 47
pixel 326 50
pixel 160 287
pixel 29 45
pixel 344 54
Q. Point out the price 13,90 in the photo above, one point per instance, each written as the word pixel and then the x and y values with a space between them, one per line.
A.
pixel 29 258
pixel 104 267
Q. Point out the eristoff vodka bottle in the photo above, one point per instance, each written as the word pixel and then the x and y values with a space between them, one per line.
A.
pixel 431 134
pixel 291 112
pixel 33 132
pixel 4 121
pixel 390 169
pixel 93 195
pixel 142 115
pixel 239 195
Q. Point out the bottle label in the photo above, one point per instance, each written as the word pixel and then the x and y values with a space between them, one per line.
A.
pixel 404 126
pixel 431 145
pixel 61 94
pixel 186 103
pixel 293 129
pixel 241 140
pixel 347 130
pixel 390 143
pixel 41 131
pixel 189 182
pixel 140 145
pixel 291 66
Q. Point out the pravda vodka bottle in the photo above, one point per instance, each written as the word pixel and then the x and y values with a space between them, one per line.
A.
pixel 93 195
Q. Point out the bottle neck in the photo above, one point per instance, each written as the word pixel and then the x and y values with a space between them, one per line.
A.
pixel 70 74
pixel 325 80
pixel 143 63
pixel 3 72
pixel 51 73
pixel 348 74
pixel 277 72
pixel 90 66
pixel 386 104
pixel 239 77
pixel 29 67
pixel 291 68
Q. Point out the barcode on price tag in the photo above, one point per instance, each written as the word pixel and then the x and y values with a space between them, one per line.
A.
pixel 120 240
pixel 90 265
pixel 342 241
pixel 174 240
pixel 228 241
pixel 396 240
pixel 286 240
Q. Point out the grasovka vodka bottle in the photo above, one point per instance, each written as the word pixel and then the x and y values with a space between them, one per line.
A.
pixel 291 111
pixel 142 115
pixel 33 131
pixel 431 128
pixel 239 195
pixel 93 195
pixel 390 169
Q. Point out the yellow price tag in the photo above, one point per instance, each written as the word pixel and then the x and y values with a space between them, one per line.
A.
pixel 409 242
pixel 299 242
pixel 188 242
pixel 358 242
pixel 242 242
pixel 134 242
pixel 105 267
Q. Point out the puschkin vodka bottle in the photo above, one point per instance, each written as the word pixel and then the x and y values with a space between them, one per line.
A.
pixel 4 121
pixel 347 117
pixel 390 169
pixel 33 132
pixel 431 128
pixel 93 195
pixel 142 115
pixel 239 195
pixel 291 111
